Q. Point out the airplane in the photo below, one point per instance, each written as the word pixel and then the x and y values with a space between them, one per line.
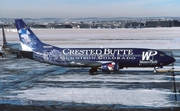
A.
pixel 105 59
pixel 9 48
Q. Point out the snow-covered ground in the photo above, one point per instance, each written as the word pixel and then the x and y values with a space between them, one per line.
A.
pixel 26 80
pixel 137 97
pixel 158 38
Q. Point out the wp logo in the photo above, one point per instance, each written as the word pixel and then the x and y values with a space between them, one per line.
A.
pixel 149 55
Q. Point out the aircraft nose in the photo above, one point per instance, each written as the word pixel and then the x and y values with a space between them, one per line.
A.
pixel 173 60
pixel 169 59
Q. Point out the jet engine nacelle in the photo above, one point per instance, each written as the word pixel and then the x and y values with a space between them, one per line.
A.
pixel 112 66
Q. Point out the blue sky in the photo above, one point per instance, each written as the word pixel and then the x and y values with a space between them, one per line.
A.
pixel 88 8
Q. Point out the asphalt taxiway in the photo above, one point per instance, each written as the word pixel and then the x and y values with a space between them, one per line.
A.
pixel 28 85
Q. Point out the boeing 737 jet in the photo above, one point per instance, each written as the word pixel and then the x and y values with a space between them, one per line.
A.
pixel 9 48
pixel 105 59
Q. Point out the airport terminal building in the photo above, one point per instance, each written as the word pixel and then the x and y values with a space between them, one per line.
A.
pixel 170 23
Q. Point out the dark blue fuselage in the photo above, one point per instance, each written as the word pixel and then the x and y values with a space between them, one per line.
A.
pixel 124 57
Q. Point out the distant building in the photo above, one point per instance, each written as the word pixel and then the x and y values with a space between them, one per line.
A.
pixel 170 23
pixel 176 23
pixel 134 25
pixel 63 26
pixel 84 26
pixel 39 26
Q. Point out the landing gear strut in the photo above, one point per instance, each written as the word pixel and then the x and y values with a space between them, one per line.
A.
pixel 92 71
pixel 18 55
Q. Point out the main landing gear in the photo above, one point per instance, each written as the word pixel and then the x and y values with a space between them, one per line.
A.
pixel 3 56
pixel 92 70
pixel 18 55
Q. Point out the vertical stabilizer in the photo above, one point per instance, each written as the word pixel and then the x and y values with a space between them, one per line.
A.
pixel 4 36
pixel 29 41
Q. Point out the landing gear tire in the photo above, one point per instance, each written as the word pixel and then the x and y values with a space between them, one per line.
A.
pixel 92 71
pixel 3 56
pixel 155 71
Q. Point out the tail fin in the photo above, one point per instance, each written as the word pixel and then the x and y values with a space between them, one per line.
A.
pixel 4 37
pixel 29 41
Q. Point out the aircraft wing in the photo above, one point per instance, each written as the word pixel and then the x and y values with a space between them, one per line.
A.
pixel 15 50
pixel 86 63
pixel 81 63
pixel 90 63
